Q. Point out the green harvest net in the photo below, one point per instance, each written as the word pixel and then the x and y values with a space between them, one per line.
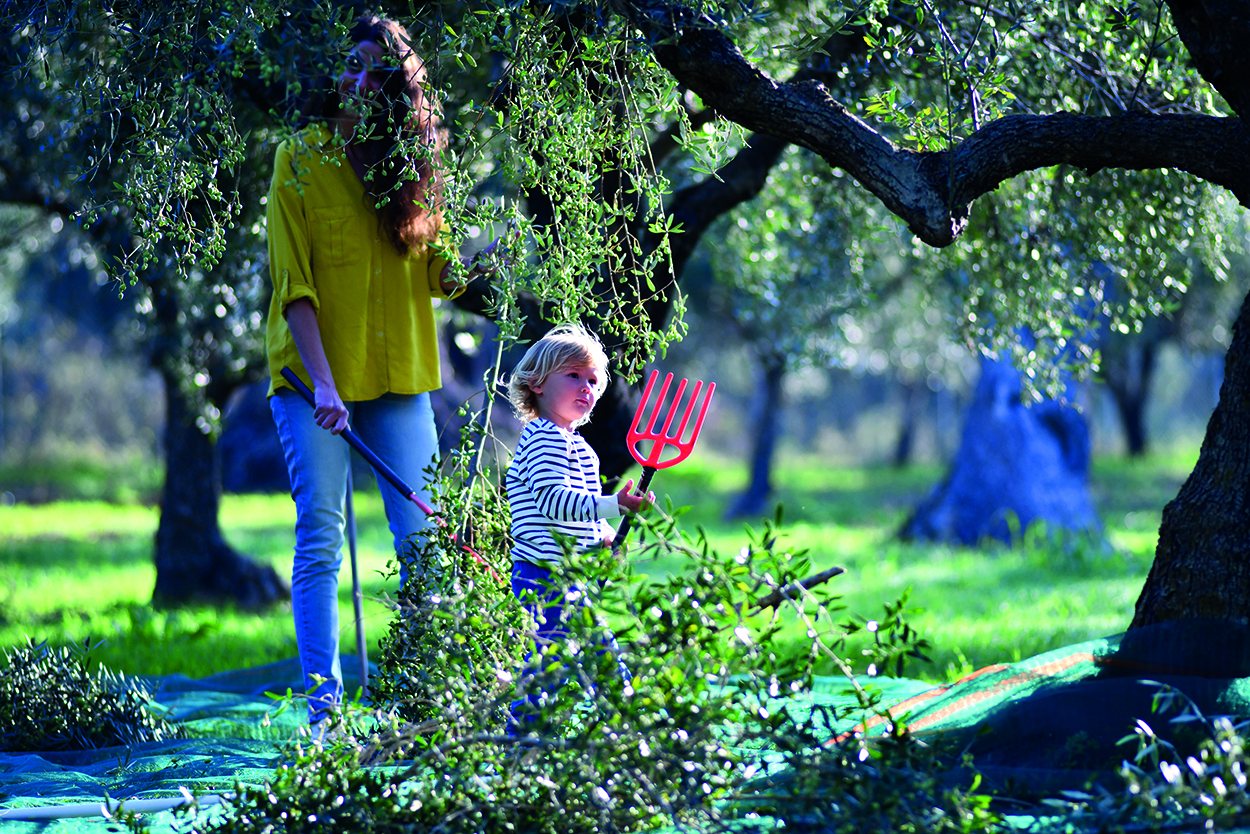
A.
pixel 1034 727
pixel 236 731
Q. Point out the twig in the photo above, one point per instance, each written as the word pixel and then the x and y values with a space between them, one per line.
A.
pixel 795 588
pixel 1150 54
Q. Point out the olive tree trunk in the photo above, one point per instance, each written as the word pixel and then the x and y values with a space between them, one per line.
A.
pixel 193 561
pixel 753 501
pixel 1016 464
pixel 1202 561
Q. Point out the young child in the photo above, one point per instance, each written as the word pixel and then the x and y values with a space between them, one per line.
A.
pixel 553 481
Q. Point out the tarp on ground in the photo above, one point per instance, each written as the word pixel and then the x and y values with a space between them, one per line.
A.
pixel 1053 721
pixel 1037 725
pixel 237 725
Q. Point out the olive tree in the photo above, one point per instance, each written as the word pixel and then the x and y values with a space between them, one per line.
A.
pixel 1198 570
pixel 613 134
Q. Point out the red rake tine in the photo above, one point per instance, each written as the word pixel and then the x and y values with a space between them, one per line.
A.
pixel 662 439
pixel 666 437
pixel 653 461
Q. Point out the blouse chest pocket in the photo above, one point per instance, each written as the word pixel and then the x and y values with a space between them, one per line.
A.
pixel 340 239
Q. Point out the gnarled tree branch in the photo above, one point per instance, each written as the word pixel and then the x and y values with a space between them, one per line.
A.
pixel 932 191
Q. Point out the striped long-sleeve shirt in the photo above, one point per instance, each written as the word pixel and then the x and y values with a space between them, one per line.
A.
pixel 553 485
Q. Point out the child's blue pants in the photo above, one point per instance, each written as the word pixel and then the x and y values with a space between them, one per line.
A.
pixel 546 602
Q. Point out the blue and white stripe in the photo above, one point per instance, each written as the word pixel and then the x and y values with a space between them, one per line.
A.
pixel 553 487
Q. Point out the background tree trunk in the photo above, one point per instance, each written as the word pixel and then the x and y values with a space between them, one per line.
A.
pixel 1016 464
pixel 193 561
pixel 1129 359
pixel 913 404
pixel 249 452
pixel 752 501
pixel 1129 381
pixel 1201 566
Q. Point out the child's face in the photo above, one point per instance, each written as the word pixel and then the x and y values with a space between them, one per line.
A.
pixel 567 396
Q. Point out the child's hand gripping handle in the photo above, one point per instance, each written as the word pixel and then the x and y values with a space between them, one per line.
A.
pixel 618 541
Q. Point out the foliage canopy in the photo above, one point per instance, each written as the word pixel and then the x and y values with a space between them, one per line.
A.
pixel 564 117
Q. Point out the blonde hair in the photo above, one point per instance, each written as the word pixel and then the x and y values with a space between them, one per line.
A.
pixel 566 346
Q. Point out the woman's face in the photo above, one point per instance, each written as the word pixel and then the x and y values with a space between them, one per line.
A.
pixel 364 73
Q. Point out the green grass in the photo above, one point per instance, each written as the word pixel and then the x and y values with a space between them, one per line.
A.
pixel 974 606
pixel 74 572
pixel 82 474
pixel 82 571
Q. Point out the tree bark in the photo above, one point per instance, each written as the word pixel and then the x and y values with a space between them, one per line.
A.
pixel 1216 33
pixel 194 564
pixel 1128 360
pixel 1129 377
pixel 904 445
pixel 933 191
pixel 1016 464
pixel 1202 562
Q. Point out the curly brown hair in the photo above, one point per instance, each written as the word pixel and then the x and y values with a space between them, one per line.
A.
pixel 400 143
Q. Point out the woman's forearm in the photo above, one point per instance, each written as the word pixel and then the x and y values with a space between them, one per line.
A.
pixel 473 265
pixel 329 410
pixel 449 284
pixel 301 318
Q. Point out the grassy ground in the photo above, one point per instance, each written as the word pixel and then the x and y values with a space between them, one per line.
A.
pixel 975 606
pixel 82 572
pixel 75 572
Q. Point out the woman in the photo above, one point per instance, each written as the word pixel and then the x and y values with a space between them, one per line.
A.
pixel 354 216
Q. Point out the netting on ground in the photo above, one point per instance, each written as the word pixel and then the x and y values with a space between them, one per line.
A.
pixel 1054 720
pixel 236 729
pixel 1040 725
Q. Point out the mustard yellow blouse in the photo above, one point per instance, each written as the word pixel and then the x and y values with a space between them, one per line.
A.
pixel 374 308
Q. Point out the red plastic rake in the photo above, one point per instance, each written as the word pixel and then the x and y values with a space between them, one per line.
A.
pixel 661 441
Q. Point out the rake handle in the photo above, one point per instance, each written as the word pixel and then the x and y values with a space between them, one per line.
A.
pixel 359 445
pixel 621 532
pixel 358 605
pixel 378 466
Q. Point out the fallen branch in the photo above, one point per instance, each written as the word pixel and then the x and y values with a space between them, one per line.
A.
pixel 795 588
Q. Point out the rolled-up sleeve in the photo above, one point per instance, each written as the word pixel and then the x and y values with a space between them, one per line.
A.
pixel 290 248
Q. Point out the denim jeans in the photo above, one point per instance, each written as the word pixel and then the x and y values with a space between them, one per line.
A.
pixel 544 600
pixel 399 429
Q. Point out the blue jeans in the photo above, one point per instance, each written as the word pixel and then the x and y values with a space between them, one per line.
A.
pixel 544 600
pixel 399 429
